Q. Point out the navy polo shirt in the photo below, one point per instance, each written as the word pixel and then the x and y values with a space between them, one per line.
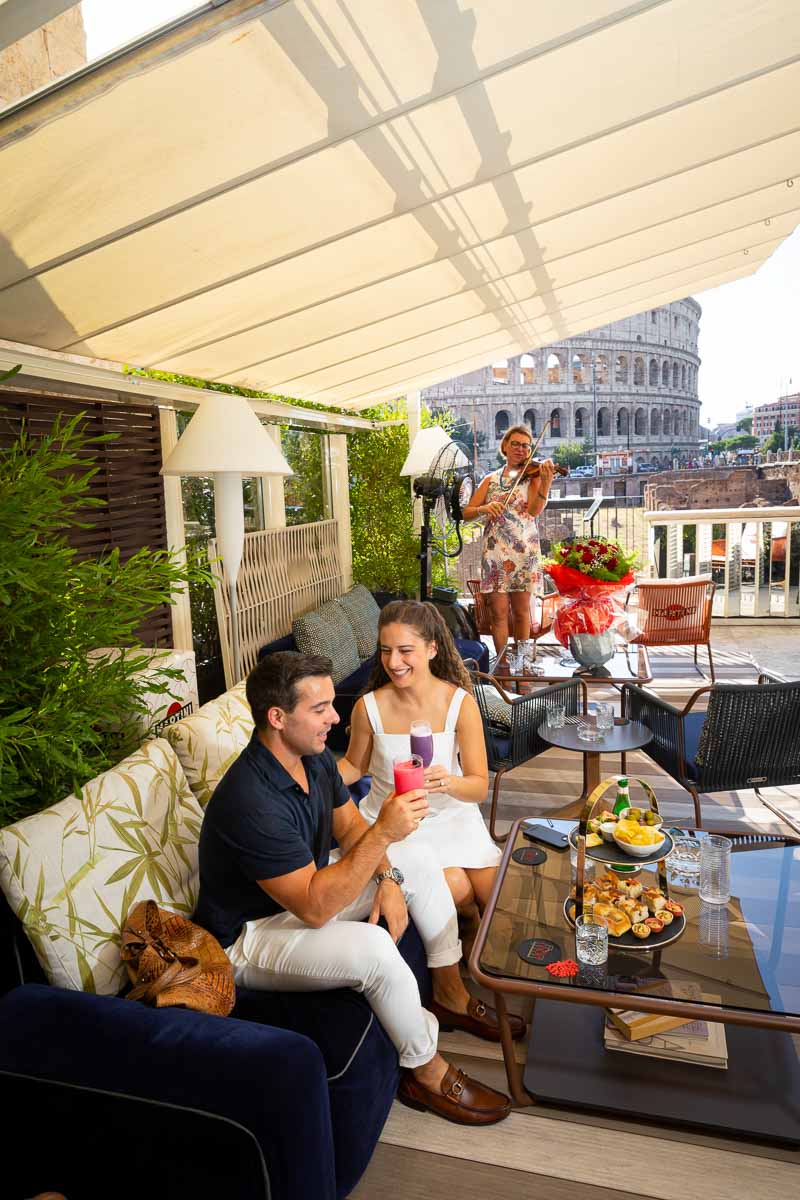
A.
pixel 260 824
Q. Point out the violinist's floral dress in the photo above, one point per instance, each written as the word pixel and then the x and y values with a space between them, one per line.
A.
pixel 511 551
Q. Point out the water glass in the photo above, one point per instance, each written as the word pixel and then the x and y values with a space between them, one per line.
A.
pixel 605 716
pixel 713 932
pixel 588 732
pixel 515 663
pixel 528 651
pixel 715 869
pixel 591 941
pixel 556 716
pixel 685 857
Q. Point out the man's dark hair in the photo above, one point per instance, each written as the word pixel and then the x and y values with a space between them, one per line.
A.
pixel 272 683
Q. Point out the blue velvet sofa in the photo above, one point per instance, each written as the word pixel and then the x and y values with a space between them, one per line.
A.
pixel 282 1100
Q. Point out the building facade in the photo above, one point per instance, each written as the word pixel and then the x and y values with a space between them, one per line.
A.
pixel 631 385
pixel 769 417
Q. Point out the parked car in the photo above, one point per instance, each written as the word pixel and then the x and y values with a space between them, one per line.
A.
pixel 581 472
pixel 647 467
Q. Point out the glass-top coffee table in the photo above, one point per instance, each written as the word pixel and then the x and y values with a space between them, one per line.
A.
pixel 739 963
pixel 553 664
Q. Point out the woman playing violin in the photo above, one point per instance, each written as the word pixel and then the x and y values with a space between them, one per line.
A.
pixel 511 552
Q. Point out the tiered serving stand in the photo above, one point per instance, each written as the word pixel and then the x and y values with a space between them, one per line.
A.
pixel 611 856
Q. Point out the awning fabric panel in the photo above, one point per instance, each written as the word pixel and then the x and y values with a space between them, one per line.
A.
pixel 347 199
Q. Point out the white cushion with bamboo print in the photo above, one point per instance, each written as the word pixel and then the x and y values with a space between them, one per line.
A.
pixel 71 872
pixel 211 739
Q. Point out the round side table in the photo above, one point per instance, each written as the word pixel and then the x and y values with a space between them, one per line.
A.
pixel 622 737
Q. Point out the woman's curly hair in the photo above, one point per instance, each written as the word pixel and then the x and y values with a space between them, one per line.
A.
pixel 424 619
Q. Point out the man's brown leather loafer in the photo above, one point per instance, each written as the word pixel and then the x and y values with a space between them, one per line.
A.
pixel 461 1099
pixel 480 1019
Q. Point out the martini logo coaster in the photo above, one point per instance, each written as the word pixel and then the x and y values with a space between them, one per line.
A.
pixel 539 951
pixel 529 856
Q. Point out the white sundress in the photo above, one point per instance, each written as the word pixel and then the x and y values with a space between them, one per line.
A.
pixel 453 830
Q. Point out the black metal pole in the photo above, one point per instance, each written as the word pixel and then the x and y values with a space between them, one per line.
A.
pixel 424 548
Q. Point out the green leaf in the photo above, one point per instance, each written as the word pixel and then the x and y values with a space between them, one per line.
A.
pixel 123 871
pixel 87 975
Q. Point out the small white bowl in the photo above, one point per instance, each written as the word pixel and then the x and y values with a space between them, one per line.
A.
pixel 639 851
pixel 607 830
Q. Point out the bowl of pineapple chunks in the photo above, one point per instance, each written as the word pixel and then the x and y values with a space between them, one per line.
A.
pixel 639 833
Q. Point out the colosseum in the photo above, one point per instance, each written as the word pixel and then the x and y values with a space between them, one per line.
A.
pixel 637 378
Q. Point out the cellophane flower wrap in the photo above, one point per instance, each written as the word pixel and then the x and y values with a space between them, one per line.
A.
pixel 591 573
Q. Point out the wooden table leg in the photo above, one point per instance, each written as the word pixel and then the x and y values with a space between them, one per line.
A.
pixel 592 764
pixel 513 1071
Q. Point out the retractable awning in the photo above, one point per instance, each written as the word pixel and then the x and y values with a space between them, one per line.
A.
pixel 346 199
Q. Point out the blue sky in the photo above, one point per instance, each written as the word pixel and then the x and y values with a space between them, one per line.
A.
pixel 749 331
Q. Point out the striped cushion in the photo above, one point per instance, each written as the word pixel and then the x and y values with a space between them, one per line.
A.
pixel 327 631
pixel 362 612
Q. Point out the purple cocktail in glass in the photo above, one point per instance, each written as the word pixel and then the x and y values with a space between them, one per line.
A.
pixel 422 741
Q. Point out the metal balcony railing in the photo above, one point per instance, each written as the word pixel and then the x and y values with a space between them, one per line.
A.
pixel 752 554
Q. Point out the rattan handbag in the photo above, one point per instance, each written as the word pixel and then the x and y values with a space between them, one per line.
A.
pixel 172 961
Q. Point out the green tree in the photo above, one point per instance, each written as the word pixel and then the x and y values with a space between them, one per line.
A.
pixel 775 441
pixel 570 454
pixel 745 425
pixel 67 710
pixel 740 441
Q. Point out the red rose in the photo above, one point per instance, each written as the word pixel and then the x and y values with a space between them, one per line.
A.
pixel 612 564
pixel 587 556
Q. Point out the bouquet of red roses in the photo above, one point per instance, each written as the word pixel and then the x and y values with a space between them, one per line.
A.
pixel 588 571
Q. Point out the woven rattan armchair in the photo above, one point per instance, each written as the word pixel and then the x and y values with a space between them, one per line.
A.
pixel 510 747
pixel 748 737
pixel 676 612
pixel 543 603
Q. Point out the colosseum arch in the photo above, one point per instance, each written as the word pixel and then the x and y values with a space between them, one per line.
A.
pixel 500 371
pixel 683 376
pixel 675 375
pixel 621 369
pixel 652 377
pixel 502 420
pixel 655 421
pixel 640 422
pixel 555 366
pixel 527 369
pixel 555 423
pixel 665 374
pixel 623 422
pixel 666 425
pixel 582 423
pixel 638 372
pixel 602 369
pixel 603 422
pixel 530 419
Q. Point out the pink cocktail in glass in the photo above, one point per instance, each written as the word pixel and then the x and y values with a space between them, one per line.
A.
pixel 409 774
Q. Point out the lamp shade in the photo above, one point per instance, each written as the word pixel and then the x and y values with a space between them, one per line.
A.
pixel 433 446
pixel 225 435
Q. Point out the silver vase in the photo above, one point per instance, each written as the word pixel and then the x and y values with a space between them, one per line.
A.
pixel 591 650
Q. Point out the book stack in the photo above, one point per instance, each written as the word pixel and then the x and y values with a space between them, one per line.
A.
pixel 656 1035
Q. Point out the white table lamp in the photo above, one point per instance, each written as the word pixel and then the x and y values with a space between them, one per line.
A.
pixel 226 440
pixel 431 444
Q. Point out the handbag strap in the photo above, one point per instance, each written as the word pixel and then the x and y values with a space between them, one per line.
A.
pixel 179 972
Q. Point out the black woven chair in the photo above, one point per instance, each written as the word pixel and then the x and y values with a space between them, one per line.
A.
pixel 509 747
pixel 749 737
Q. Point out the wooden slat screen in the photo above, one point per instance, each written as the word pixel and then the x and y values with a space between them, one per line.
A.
pixel 128 478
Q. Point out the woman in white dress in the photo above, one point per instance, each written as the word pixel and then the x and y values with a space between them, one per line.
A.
pixel 419 676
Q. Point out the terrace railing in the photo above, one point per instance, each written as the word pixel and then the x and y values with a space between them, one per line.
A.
pixel 752 554
pixel 284 573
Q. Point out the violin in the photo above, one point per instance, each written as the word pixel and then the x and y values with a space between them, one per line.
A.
pixel 533 470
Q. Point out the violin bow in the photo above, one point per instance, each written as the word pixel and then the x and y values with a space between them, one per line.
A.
pixel 526 464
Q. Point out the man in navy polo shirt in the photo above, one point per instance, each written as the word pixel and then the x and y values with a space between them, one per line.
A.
pixel 295 915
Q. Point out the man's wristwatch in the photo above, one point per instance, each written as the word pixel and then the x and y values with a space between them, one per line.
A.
pixel 393 875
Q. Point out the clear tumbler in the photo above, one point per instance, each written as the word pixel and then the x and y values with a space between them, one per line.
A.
pixel 715 869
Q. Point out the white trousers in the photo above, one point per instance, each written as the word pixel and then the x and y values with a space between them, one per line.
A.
pixel 283 954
